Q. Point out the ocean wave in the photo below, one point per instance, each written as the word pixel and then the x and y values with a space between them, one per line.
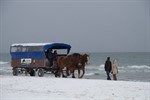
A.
pixel 101 67
pixel 95 68
pixel 91 67
pixel 90 74
pixel 139 66
pixel 3 62
pixel 131 66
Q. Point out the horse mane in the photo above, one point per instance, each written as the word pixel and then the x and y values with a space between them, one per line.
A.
pixel 76 54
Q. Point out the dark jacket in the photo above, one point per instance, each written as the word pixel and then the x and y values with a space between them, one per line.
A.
pixel 50 55
pixel 108 66
pixel 55 55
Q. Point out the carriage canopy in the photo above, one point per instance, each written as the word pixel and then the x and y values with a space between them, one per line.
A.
pixel 36 50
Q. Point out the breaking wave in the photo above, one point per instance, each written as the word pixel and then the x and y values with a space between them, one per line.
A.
pixel 101 67
pixel 139 66
pixel 3 62
pixel 132 66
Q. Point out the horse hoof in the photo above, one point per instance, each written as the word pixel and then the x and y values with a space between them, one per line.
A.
pixel 73 77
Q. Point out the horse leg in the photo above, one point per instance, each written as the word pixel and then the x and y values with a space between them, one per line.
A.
pixel 83 72
pixel 73 76
pixel 56 72
pixel 67 72
pixel 63 73
pixel 59 71
pixel 78 72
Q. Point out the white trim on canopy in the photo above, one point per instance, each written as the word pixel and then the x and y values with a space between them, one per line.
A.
pixel 30 44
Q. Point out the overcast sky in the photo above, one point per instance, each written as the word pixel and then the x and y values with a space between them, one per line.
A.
pixel 87 25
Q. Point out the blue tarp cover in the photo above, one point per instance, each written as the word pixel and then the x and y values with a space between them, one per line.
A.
pixel 39 54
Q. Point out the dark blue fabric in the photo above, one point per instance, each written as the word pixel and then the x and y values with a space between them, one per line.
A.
pixel 40 54
pixel 57 46
pixel 32 55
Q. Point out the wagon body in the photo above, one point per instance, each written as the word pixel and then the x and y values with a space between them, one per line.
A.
pixel 33 55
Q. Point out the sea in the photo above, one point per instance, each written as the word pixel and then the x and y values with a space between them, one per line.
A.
pixel 132 66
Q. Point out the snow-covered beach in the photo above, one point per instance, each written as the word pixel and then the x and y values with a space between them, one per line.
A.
pixel 133 81
pixel 50 88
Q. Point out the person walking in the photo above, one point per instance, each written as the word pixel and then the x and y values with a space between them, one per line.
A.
pixel 114 69
pixel 108 67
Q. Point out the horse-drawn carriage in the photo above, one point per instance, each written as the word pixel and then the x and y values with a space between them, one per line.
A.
pixel 32 57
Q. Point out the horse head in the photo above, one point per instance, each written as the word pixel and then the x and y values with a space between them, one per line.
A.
pixel 85 58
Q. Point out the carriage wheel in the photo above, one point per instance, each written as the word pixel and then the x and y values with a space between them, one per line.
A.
pixel 40 72
pixel 15 72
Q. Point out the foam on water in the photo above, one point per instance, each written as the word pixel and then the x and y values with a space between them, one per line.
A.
pixel 3 62
pixel 89 74
pixel 139 67
pixel 123 69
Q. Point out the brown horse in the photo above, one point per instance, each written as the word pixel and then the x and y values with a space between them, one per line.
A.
pixel 72 62
pixel 69 62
